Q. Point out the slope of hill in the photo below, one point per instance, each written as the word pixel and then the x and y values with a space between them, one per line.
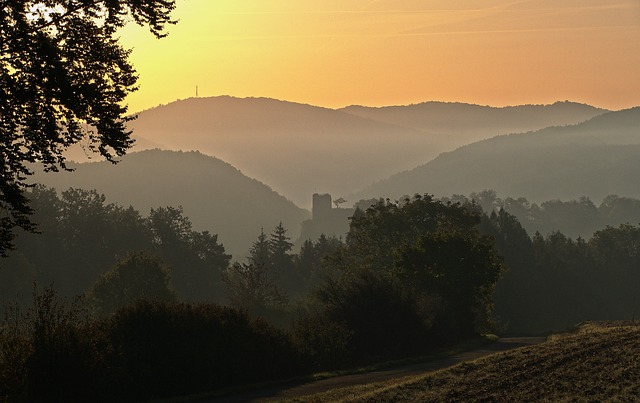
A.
pixel 594 158
pixel 215 195
pixel 297 149
pixel 301 149
pixel 598 362
pixel 465 123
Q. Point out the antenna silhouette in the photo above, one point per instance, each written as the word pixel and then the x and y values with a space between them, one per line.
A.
pixel 196 91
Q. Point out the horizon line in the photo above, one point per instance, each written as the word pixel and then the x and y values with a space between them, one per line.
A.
pixel 382 106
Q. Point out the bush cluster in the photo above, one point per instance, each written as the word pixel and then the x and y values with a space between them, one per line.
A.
pixel 368 319
pixel 53 352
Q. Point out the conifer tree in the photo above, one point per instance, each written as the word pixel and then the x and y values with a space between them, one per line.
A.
pixel 280 246
pixel 260 252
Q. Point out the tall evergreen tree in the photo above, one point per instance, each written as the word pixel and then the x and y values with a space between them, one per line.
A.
pixel 280 246
pixel 260 252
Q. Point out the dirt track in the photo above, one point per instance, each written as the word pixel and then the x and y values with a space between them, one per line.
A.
pixel 291 391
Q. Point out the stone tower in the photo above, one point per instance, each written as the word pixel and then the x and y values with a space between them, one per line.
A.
pixel 321 207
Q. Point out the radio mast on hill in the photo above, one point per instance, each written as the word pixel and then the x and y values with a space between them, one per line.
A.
pixel 196 91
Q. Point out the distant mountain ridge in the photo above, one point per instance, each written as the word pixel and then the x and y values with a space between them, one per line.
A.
pixel 215 195
pixel 595 158
pixel 467 123
pixel 297 149
pixel 301 149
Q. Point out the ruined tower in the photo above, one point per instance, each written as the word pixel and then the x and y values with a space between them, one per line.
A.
pixel 321 207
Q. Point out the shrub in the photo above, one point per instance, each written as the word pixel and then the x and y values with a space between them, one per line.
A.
pixel 50 353
pixel 163 349
pixel 55 352
pixel 15 349
pixel 322 341
pixel 138 276
pixel 365 317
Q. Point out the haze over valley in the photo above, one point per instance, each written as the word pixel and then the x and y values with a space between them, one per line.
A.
pixel 301 149
pixel 215 196
pixel 596 158
pixel 540 152
pixel 245 200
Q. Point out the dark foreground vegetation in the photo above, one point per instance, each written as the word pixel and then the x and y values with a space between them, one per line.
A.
pixel 596 362
pixel 162 311
pixel 409 278
pixel 55 352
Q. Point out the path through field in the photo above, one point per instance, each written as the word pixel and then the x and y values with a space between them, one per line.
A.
pixel 293 391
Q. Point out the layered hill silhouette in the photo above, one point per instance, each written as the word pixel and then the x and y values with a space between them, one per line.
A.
pixel 595 158
pixel 458 124
pixel 215 195
pixel 299 149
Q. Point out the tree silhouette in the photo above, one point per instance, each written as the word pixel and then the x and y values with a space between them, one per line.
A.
pixel 280 246
pixel 64 77
pixel 253 287
pixel 260 252
pixel 339 201
pixel 138 276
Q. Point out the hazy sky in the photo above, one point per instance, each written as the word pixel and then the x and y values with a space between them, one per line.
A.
pixel 387 52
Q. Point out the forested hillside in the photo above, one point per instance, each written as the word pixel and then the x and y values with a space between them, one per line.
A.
pixel 81 237
pixel 215 196
pixel 595 159
pixel 574 218
pixel 296 149
pixel 299 149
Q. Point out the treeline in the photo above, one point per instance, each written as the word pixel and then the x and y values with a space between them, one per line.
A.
pixel 113 254
pixel 81 237
pixel 574 218
pixel 56 351
pixel 554 282
pixel 411 276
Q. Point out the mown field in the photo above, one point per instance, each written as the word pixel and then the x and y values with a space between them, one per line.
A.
pixel 596 362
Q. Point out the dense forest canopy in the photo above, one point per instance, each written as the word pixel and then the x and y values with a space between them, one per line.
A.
pixel 82 236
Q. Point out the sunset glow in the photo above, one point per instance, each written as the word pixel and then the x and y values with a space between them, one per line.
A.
pixel 336 53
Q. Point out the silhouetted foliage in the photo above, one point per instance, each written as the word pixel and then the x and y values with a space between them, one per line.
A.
pixel 257 286
pixel 49 351
pixel 461 268
pixel 146 350
pixel 253 287
pixel 64 77
pixel 163 350
pixel 311 263
pixel 554 281
pixel 196 258
pixel 260 252
pixel 372 316
pixel 402 238
pixel 574 218
pixel 138 276
pixel 83 237
pixel 376 235
pixel 412 275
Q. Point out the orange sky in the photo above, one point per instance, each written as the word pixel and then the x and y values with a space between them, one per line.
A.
pixel 388 52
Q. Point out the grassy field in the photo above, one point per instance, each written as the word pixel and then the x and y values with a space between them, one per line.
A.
pixel 596 362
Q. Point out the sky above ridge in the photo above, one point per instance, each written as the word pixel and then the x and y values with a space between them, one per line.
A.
pixel 336 53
